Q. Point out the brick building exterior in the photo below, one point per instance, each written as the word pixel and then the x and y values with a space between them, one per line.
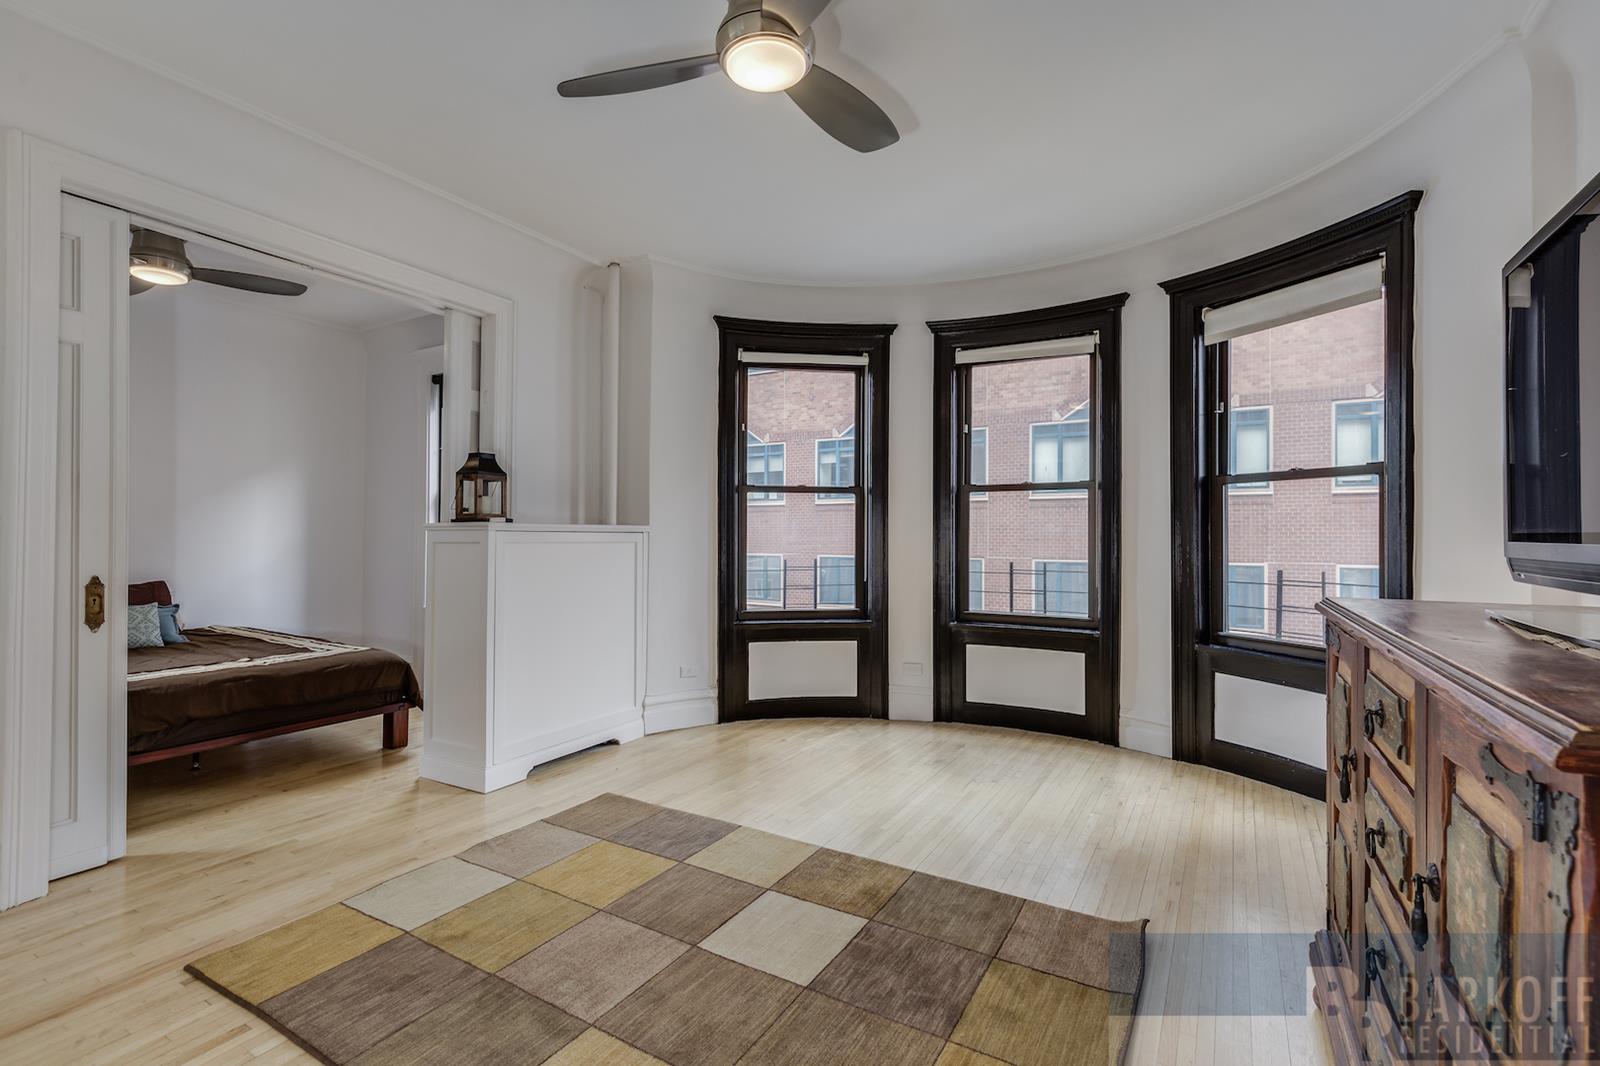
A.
pixel 1308 394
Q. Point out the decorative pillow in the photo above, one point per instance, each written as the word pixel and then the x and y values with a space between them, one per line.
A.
pixel 144 625
pixel 170 633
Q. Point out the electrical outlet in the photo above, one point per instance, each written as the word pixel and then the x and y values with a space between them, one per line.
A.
pixel 688 671
pixel 911 669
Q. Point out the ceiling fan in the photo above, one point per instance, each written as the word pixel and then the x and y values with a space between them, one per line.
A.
pixel 158 259
pixel 764 46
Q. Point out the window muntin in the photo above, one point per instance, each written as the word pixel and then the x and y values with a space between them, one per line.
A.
pixel 836 464
pixel 836 581
pixel 1250 446
pixel 1357 440
pixel 1061 588
pixel 763 466
pixel 1283 394
pixel 1359 582
pixel 763 580
pixel 1247 597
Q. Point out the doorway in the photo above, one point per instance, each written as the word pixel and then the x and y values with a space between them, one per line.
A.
pixel 34 293
pixel 1027 515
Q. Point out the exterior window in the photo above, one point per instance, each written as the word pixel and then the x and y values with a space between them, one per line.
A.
pixel 1359 582
pixel 1357 440
pixel 1250 446
pixel 980 460
pixel 1061 589
pixel 763 579
pixel 836 581
pixel 1061 449
pixel 764 466
pixel 975 584
pixel 836 464
pixel 1247 597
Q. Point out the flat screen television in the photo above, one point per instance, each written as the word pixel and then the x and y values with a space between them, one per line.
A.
pixel 1552 331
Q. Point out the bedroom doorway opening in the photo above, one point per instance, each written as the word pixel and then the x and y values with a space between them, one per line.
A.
pixel 247 459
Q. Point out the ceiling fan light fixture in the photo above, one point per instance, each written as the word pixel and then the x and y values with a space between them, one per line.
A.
pixel 159 269
pixel 766 62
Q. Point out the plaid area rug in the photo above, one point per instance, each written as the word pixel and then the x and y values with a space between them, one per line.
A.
pixel 620 932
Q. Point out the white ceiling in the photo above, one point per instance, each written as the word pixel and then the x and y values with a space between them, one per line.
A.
pixel 328 300
pixel 1034 131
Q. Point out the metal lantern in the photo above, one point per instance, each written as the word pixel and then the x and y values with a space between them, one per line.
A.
pixel 481 490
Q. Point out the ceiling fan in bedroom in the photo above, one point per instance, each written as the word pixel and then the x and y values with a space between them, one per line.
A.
pixel 156 258
pixel 764 46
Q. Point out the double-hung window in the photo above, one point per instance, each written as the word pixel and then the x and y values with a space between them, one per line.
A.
pixel 1286 364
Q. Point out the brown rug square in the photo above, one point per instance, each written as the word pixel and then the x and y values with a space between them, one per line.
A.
pixel 620 933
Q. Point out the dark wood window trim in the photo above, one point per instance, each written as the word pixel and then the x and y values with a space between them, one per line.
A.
pixel 1199 652
pixel 867 625
pixel 955 629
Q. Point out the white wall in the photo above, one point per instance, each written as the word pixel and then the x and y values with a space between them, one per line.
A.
pixel 1472 151
pixel 247 463
pixel 400 359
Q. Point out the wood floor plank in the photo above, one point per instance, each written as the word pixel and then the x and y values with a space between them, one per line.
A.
pixel 276 830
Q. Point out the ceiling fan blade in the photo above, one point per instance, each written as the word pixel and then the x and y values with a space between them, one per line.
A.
pixel 797 13
pixel 637 79
pixel 844 112
pixel 135 286
pixel 233 279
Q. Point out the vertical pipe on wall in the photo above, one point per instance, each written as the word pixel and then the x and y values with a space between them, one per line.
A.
pixel 610 390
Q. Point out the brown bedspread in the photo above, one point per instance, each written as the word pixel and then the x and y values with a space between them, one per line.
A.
pixel 229 680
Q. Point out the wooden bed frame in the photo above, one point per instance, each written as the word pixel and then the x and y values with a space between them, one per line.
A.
pixel 396 734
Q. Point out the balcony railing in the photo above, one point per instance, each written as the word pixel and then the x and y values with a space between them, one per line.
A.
pixel 1294 600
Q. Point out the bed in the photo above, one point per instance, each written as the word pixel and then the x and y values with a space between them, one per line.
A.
pixel 232 684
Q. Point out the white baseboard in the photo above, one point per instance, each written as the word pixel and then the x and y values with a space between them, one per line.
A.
pixel 910 703
pixel 1141 734
pixel 680 710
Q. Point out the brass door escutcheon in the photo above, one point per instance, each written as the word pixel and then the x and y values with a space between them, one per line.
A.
pixel 94 604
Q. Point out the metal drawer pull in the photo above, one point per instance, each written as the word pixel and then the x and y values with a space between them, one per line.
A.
pixel 1371 720
pixel 1377 959
pixel 1347 765
pixel 1377 837
pixel 1419 915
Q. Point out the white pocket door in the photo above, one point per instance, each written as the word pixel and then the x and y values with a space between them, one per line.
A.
pixel 88 759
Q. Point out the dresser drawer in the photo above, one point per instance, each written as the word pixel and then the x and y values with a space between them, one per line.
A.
pixel 1388 842
pixel 1388 715
pixel 1388 975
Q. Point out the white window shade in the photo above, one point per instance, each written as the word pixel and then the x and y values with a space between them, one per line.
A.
pixel 800 359
pixel 1331 292
pixel 1050 349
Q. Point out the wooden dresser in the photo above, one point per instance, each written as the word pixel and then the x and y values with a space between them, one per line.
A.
pixel 1463 801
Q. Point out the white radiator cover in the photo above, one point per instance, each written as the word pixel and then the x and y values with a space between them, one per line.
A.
pixel 533 646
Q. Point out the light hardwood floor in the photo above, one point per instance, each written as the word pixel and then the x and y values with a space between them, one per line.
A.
pixel 271 831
